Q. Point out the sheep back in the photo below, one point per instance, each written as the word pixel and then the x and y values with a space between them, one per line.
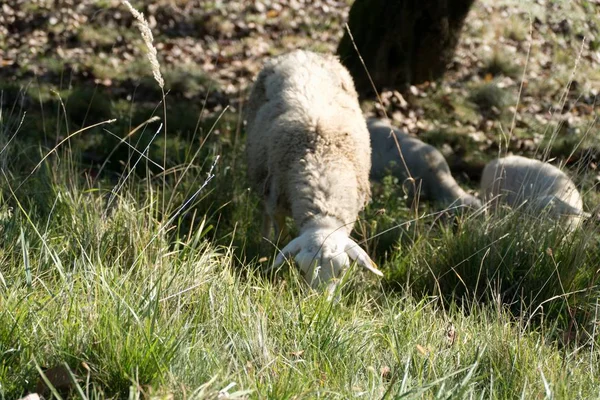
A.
pixel 307 143
pixel 515 180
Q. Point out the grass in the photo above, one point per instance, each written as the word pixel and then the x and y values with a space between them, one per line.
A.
pixel 132 308
pixel 143 278
pixel 500 64
pixel 138 303
pixel 489 96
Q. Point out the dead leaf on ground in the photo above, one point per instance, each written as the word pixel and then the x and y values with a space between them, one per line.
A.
pixel 422 350
pixel 451 334
pixel 298 353
pixel 386 372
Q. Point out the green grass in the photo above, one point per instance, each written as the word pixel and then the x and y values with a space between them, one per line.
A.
pixel 137 301
pixel 130 308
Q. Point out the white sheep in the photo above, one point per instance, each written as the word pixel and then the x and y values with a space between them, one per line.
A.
pixel 408 157
pixel 523 182
pixel 309 157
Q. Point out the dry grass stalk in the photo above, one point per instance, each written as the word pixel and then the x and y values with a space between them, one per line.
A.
pixel 148 39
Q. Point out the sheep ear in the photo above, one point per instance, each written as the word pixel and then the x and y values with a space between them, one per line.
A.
pixel 290 250
pixel 356 253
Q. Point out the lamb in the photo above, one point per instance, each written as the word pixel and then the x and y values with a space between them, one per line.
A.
pixel 420 161
pixel 520 181
pixel 309 157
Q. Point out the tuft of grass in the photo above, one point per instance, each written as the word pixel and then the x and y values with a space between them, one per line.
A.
pixel 188 80
pixel 490 96
pixel 500 64
pixel 100 37
pixel 528 263
pixel 516 29
pixel 88 105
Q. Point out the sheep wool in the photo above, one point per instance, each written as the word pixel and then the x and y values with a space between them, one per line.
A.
pixel 309 157
pixel 519 181
pixel 408 157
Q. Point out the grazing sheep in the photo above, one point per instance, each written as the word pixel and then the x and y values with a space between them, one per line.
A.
pixel 309 157
pixel 520 181
pixel 424 163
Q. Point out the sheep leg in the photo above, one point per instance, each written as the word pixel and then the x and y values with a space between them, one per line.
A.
pixel 266 225
pixel 277 222
pixel 281 230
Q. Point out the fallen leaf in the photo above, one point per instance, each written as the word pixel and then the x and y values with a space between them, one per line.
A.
pixel 298 353
pixel 385 372
pixel 422 350
pixel 450 334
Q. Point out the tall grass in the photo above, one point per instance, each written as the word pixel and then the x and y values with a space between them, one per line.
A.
pixel 137 309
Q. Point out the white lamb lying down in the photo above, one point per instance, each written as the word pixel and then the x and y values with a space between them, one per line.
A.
pixel 309 157
pixel 537 186
pixel 424 162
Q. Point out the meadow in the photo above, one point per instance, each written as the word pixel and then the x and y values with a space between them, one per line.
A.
pixel 131 260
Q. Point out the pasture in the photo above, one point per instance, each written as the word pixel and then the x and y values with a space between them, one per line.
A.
pixel 131 259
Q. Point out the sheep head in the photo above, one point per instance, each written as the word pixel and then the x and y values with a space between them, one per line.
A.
pixel 322 256
pixel 556 205
pixel 573 216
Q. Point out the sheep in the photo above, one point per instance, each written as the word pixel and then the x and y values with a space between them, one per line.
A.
pixel 520 181
pixel 309 157
pixel 420 161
